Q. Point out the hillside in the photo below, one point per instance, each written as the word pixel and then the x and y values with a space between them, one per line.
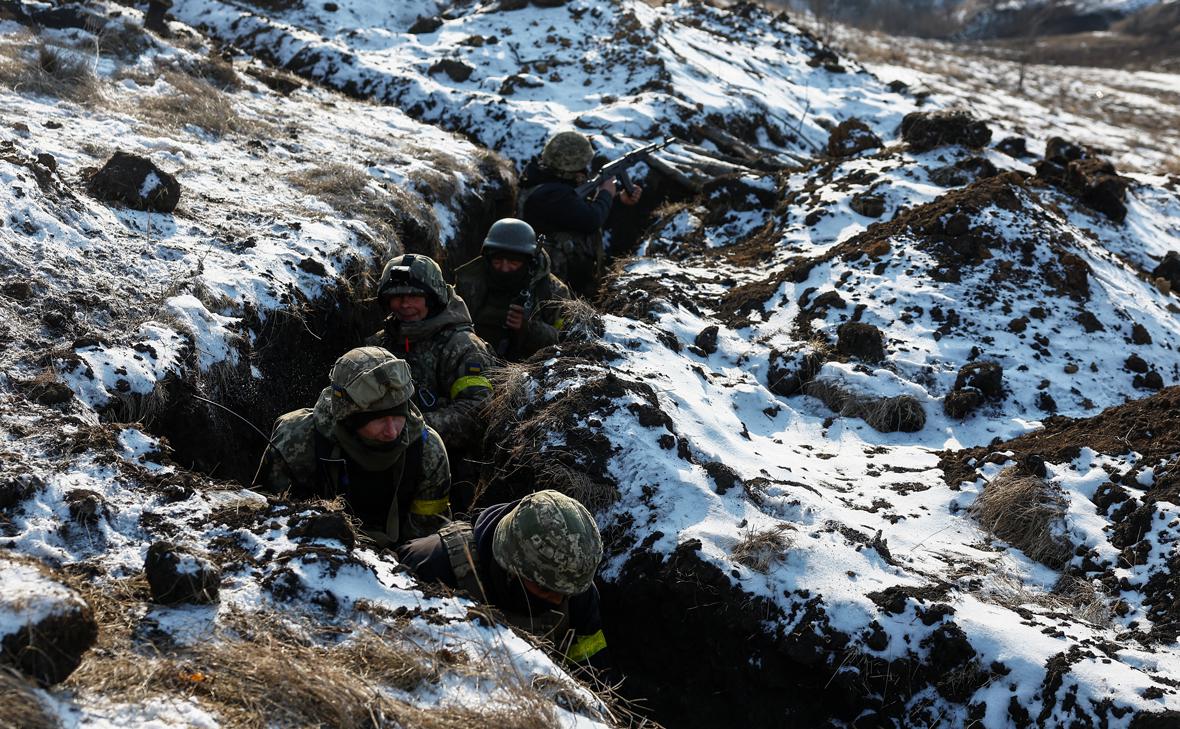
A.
pixel 874 410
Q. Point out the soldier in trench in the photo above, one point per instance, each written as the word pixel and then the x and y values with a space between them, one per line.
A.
pixel 429 326
pixel 364 441
pixel 513 297
pixel 534 560
pixel 570 224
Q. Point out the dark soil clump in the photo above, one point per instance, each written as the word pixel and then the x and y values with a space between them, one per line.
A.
pixel 863 341
pixel 925 130
pixel 177 576
pixel 851 137
pixel 136 182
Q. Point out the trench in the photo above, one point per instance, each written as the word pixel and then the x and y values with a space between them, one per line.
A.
pixel 692 648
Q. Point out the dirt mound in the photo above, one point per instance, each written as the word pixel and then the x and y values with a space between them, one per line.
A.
pixel 850 137
pixel 925 130
pixel 1092 180
pixel 136 182
pixel 177 575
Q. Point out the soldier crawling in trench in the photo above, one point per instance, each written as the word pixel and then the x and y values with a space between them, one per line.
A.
pixel 534 560
pixel 429 326
pixel 364 441
pixel 514 299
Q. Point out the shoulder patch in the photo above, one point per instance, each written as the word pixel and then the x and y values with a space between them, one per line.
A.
pixel 474 368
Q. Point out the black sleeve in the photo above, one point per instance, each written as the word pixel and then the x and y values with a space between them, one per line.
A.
pixel 427 558
pixel 560 208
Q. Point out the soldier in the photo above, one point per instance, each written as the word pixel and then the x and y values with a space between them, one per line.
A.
pixel 571 225
pixel 534 560
pixel 430 327
pixel 364 441
pixel 514 299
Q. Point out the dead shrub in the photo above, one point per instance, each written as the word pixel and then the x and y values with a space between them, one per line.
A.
pixel 1023 510
pixel 581 322
pixel 19 705
pixel 125 40
pixel 50 70
pixel 196 101
pixel 759 550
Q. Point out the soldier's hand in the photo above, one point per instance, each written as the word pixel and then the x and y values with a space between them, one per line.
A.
pixel 630 198
pixel 515 318
pixel 610 186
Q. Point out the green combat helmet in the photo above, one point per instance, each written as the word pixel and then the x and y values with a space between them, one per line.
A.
pixel 511 236
pixel 550 539
pixel 567 152
pixel 412 274
pixel 366 379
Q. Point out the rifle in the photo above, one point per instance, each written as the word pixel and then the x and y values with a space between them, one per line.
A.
pixel 618 169
pixel 524 300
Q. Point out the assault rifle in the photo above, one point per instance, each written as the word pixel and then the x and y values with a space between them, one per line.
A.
pixel 524 300
pixel 618 169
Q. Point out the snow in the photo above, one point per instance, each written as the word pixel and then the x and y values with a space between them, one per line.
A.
pixel 30 597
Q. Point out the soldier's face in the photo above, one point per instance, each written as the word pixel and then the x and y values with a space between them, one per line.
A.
pixel 408 307
pixel 501 264
pixel 549 596
pixel 383 430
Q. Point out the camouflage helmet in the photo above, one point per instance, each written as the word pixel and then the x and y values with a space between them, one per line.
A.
pixel 366 379
pixel 413 274
pixel 510 236
pixel 550 539
pixel 567 152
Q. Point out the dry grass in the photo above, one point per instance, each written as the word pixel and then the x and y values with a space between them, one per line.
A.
pixel 50 70
pixel 257 672
pixel 885 414
pixel 1079 599
pixel 1023 510
pixel 355 193
pixel 19 705
pixel 581 321
pixel 759 550
pixel 195 101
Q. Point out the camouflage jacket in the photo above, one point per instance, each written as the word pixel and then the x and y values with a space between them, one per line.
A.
pixel 489 308
pixel 306 462
pixel 570 225
pixel 449 363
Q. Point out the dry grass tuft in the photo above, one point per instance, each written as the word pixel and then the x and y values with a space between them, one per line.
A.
pixel 50 70
pixel 19 705
pixel 1004 586
pixel 582 322
pixel 885 414
pixel 123 40
pixel 198 102
pixel 1084 601
pixel 759 550
pixel 355 193
pixel 1023 510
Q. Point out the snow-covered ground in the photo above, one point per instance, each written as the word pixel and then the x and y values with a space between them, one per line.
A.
pixel 851 552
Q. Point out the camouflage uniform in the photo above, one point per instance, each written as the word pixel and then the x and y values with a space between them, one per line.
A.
pixel 400 491
pixel 571 225
pixel 489 293
pixel 448 360
pixel 547 538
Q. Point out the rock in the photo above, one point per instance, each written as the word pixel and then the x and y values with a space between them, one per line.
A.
pixel 327 525
pixel 1016 147
pixel 963 172
pixel 851 137
pixel 707 339
pixel 458 70
pixel 987 377
pixel 426 24
pixel 961 403
pixel 1046 402
pixel 1092 180
pixel 47 161
pixel 863 341
pixel 1140 335
pixel 135 182
pixel 1151 381
pixel 1063 152
pixel 924 130
pixel 177 575
pixel 1168 269
pixel 549 3
pixel 723 476
pixel 1070 369
pixel 868 205
pixel 1089 322
pixel 1135 363
pixel 45 626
